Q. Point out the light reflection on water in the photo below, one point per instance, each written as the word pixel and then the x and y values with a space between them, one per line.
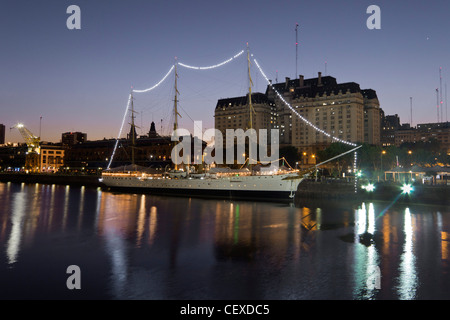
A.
pixel 179 248
pixel 408 274
pixel 15 235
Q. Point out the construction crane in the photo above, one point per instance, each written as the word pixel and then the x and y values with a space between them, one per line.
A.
pixel 32 158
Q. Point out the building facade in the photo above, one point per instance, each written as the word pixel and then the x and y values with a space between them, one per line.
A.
pixel 51 157
pixel 389 125
pixel 425 132
pixel 343 110
pixel 71 138
pixel 234 113
pixel 150 150
pixel 12 157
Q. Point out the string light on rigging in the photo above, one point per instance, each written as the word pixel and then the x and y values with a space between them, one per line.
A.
pixel 213 66
pixel 355 161
pixel 120 131
pixel 156 85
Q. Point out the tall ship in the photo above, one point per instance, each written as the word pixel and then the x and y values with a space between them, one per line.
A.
pixel 244 183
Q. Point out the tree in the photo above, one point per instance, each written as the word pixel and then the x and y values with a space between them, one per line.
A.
pixel 291 155
pixel 369 157
pixel 333 150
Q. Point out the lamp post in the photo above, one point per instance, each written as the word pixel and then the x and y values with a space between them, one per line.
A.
pixel 409 157
pixel 381 159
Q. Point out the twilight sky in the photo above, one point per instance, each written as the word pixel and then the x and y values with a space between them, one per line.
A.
pixel 79 80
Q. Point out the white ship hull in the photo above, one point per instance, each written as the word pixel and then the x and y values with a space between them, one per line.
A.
pixel 236 187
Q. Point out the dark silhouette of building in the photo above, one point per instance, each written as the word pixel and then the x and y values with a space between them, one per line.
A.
pixel 389 125
pixel 152 133
pixel 12 157
pixel 71 138
pixel 439 131
pixel 2 134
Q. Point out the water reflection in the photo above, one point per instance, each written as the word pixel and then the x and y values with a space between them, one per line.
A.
pixel 81 207
pixel 408 273
pixel 152 223
pixel 180 248
pixel 141 221
pixel 241 228
pixel 33 210
pixel 367 260
pixel 15 236
pixel 66 206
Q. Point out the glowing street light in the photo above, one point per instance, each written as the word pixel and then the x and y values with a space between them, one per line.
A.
pixel 370 187
pixel 407 188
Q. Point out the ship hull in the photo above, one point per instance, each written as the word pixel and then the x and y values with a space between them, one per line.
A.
pixel 270 188
pixel 211 194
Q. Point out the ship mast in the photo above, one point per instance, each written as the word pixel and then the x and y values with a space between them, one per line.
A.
pixel 175 106
pixel 133 131
pixel 250 105
pixel 250 84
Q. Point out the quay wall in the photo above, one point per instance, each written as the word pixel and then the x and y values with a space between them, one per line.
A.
pixel 46 178
pixel 384 191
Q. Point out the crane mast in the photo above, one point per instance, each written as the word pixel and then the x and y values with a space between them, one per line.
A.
pixel 32 158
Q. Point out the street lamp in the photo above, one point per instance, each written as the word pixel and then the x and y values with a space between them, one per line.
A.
pixel 369 187
pixel 381 159
pixel 407 188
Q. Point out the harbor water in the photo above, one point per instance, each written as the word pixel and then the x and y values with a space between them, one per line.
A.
pixel 135 246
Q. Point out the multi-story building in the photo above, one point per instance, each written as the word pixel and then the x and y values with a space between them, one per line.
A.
pixel 150 150
pixel 372 128
pixel 51 157
pixel 389 125
pixel 71 138
pixel 93 155
pixel 234 113
pixel 341 109
pixel 12 156
pixel 425 132
pixel 2 134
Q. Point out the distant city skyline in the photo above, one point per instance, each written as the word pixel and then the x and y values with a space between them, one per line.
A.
pixel 79 80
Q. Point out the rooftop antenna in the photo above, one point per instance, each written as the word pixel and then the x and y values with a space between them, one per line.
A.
pixel 440 89
pixel 276 77
pixel 296 51
pixel 40 126
pixel 446 115
pixel 141 114
pixel 410 104
pixel 325 68
pixel 437 103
